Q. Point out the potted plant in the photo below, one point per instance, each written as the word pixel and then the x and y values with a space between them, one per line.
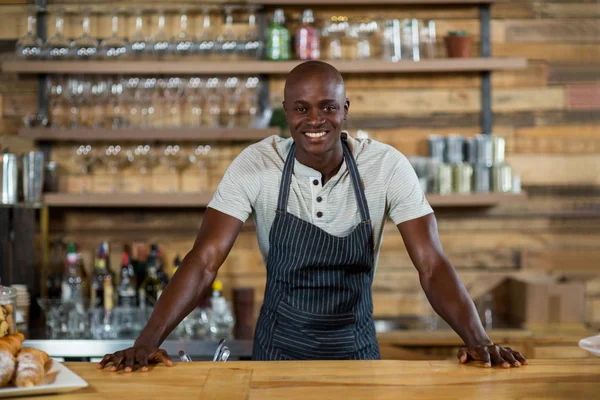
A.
pixel 458 44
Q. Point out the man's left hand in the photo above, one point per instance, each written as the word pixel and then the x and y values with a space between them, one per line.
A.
pixel 492 355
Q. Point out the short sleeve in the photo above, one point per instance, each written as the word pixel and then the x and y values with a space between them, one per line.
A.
pixel 238 191
pixel 405 198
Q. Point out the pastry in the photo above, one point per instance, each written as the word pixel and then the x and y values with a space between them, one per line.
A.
pixel 31 367
pixel 9 347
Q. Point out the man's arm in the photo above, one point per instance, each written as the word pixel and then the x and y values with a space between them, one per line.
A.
pixel 188 286
pixel 448 296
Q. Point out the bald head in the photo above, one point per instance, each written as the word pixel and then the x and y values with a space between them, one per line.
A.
pixel 316 72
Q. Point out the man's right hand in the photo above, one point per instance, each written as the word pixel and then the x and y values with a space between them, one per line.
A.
pixel 138 354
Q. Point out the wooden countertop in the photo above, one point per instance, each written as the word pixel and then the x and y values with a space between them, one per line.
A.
pixel 330 380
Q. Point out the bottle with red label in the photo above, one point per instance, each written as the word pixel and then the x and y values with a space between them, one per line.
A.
pixel 308 46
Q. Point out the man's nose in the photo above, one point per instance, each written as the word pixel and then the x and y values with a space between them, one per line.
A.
pixel 314 117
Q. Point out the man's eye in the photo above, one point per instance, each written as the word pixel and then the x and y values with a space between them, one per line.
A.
pixel 300 109
pixel 330 108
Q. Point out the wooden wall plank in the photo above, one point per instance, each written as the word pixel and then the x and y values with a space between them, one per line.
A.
pixel 569 9
pixel 552 169
pixel 570 260
pixel 558 74
pixel 583 97
pixel 554 131
pixel 552 31
pixel 552 52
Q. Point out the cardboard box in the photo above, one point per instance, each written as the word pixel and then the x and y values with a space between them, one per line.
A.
pixel 545 303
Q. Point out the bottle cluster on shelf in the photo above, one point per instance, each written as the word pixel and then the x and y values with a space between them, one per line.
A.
pixel 466 165
pixel 110 306
pixel 81 101
pixel 333 37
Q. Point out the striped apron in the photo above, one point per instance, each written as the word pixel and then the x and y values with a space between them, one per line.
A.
pixel 317 303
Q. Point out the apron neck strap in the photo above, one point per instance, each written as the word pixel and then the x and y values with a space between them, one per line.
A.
pixel 288 169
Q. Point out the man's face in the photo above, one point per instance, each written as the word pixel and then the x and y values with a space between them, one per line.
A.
pixel 315 108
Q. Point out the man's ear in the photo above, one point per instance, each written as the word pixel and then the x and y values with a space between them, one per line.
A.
pixel 346 108
pixel 283 104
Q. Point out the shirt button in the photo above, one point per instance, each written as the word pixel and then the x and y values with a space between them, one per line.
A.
pixel 319 214
pixel 316 182
pixel 319 199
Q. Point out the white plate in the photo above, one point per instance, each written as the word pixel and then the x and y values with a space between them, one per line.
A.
pixel 591 344
pixel 65 381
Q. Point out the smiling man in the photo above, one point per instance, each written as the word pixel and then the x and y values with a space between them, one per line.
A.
pixel 319 200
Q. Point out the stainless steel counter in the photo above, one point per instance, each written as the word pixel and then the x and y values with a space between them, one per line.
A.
pixel 94 349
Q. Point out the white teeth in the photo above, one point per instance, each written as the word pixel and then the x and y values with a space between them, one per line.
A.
pixel 315 134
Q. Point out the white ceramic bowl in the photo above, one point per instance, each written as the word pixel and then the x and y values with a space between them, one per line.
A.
pixel 591 344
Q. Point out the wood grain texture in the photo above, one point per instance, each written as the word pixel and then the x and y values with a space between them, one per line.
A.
pixel 329 380
pixel 553 30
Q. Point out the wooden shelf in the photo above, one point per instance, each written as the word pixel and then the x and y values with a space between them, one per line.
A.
pixel 259 67
pixel 192 200
pixel 114 200
pixel 475 200
pixel 365 3
pixel 162 135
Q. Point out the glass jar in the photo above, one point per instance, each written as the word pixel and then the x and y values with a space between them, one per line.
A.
pixel 8 306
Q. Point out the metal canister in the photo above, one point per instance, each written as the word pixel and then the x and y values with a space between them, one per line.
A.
pixel 502 178
pixel 462 178
pixel 33 176
pixel 470 150
pixel 481 178
pixel 437 147
pixel 9 178
pixel 443 179
pixel 485 154
pixel 498 149
pixel 454 149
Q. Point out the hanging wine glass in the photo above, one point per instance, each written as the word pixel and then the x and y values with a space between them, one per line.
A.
pixel 146 91
pixel 100 91
pixel 183 43
pixel 226 43
pixel 138 46
pixel 176 161
pixel 206 39
pixel 30 46
pixel 115 159
pixel 116 104
pixel 159 42
pixel 201 158
pixel 173 96
pixel 249 107
pixel 194 105
pixel 231 102
pixel 250 42
pixel 144 157
pixel 85 157
pixel 57 46
pixel 57 107
pixel 213 103
pixel 84 47
pixel 114 46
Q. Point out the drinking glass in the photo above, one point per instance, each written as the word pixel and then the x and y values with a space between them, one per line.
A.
pixel 334 30
pixel 116 104
pixel 85 157
pixel 30 46
pixel 74 95
pixel 145 157
pixel 115 158
pixel 183 43
pixel 231 102
pixel 57 46
pixel 57 107
pixel 114 46
pixel 227 44
pixel 213 103
pixel 138 46
pixel 248 108
pixel 176 161
pixel 251 46
pixel 159 42
pixel 201 158
pixel 362 30
pixel 206 39
pixel 428 40
pixel 173 96
pixel 100 92
pixel 410 40
pixel 392 40
pixel 194 105
pixel 144 97
pixel 84 47
pixel 130 97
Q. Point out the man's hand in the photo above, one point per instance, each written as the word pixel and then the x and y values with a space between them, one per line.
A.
pixel 140 354
pixel 492 355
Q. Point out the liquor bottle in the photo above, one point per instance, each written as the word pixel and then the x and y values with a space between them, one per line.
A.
pixel 221 319
pixel 97 287
pixel 278 38
pixel 307 38
pixel 150 289
pixel 126 290
pixel 157 260
pixel 73 282
pixel 176 263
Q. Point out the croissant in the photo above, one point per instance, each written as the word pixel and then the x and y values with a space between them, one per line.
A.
pixel 9 347
pixel 31 367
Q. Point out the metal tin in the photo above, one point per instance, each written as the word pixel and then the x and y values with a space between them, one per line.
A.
pixel 501 178
pixel 443 179
pixel 481 178
pixel 462 178
pixel 470 150
pixel 498 149
pixel 9 178
pixel 484 152
pixel 437 147
pixel 33 176
pixel 454 149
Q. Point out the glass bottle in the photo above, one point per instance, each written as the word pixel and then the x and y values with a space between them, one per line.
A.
pixel 30 46
pixel 307 38
pixel 72 283
pixel 278 38
pixel 183 43
pixel 114 46
pixel 84 47
pixel 150 289
pixel 159 43
pixel 206 39
pixel 57 46
pixel 138 46
pixel 221 319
